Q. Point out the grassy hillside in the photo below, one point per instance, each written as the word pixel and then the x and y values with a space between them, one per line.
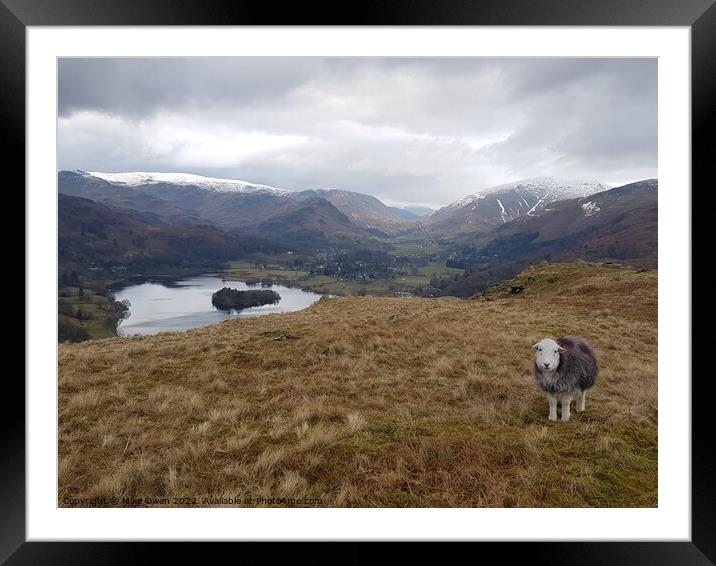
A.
pixel 375 402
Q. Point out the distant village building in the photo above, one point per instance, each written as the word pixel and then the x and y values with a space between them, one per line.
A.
pixel 432 292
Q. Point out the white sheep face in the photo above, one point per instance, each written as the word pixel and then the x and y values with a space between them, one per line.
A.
pixel 547 354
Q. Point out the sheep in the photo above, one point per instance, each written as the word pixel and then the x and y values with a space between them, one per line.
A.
pixel 565 368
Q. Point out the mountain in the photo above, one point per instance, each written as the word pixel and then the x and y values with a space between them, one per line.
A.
pixel 412 212
pixel 229 204
pixel 97 189
pixel 363 210
pixel 177 198
pixel 482 212
pixel 404 213
pixel 501 218
pixel 419 210
pixel 618 225
pixel 90 233
pixel 311 222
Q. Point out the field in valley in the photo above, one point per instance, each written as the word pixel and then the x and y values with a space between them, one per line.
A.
pixel 374 401
pixel 86 313
pixel 242 270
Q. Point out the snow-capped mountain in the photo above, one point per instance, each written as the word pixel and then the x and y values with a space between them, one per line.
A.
pixel 617 224
pixel 497 205
pixel 228 203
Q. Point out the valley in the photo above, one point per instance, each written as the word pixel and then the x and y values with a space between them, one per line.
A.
pixel 116 228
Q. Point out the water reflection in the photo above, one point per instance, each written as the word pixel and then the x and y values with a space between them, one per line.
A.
pixel 160 306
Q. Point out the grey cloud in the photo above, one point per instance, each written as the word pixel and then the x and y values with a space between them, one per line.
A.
pixel 407 130
pixel 138 87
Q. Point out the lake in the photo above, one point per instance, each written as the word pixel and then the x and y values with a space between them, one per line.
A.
pixel 161 306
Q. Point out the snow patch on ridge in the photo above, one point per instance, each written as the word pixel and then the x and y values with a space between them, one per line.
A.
pixel 502 210
pixel 590 208
pixel 140 178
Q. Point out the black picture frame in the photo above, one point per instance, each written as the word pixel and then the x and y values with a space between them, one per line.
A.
pixel 699 15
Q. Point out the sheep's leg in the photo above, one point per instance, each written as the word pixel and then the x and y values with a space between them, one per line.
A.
pixel 581 401
pixel 565 407
pixel 552 407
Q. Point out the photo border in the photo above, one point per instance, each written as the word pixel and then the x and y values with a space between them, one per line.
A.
pixel 16 15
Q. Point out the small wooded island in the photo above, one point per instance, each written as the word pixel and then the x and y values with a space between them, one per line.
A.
pixel 227 299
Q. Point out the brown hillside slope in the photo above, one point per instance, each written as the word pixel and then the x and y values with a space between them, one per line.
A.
pixel 375 402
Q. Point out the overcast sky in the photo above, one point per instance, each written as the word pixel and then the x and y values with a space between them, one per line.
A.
pixel 409 131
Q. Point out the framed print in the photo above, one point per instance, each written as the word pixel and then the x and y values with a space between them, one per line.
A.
pixel 402 277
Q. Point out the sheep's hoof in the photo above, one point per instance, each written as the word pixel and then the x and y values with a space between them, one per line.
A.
pixel 580 409
pixel 552 417
pixel 565 419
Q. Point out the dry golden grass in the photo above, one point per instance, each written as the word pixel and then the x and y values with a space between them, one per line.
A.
pixel 375 402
